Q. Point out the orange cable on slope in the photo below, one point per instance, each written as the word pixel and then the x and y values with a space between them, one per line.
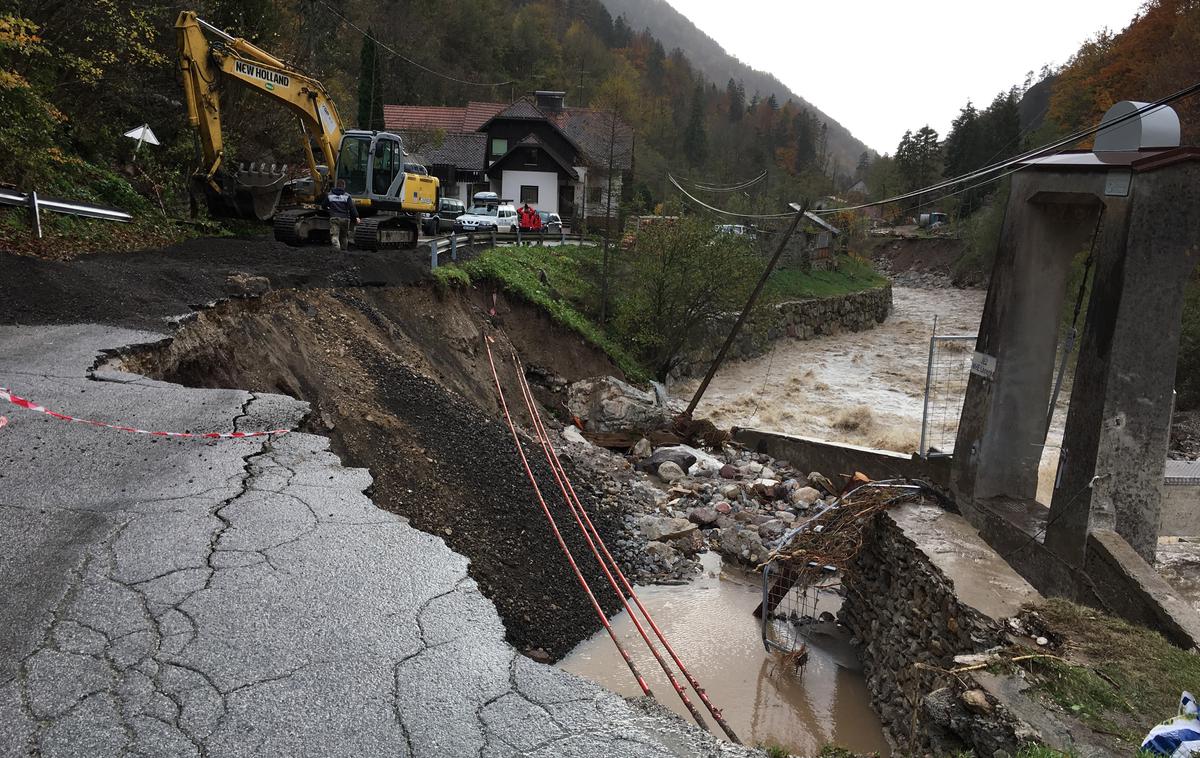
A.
pixel 554 526
pixel 560 478
pixel 557 464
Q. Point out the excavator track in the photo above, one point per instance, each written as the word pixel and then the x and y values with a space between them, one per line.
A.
pixel 294 227
pixel 387 233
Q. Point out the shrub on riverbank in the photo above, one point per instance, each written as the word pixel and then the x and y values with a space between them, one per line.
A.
pixel 663 292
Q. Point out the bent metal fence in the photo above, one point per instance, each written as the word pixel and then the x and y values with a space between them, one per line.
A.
pixel 946 377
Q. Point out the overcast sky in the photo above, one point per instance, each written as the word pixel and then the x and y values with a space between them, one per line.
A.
pixel 880 67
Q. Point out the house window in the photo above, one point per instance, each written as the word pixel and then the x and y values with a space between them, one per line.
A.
pixel 529 194
pixel 595 194
pixel 531 157
pixel 499 147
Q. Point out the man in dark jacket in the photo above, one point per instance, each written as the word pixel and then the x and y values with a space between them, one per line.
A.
pixel 342 214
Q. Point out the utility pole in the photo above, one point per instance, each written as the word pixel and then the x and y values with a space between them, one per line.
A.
pixel 741 319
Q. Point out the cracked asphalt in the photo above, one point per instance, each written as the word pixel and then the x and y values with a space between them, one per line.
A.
pixel 163 597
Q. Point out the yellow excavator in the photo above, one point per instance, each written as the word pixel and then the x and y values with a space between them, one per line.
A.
pixel 389 198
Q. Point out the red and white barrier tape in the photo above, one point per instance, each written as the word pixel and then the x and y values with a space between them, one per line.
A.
pixel 21 402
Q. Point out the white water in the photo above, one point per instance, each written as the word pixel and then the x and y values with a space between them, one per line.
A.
pixel 864 388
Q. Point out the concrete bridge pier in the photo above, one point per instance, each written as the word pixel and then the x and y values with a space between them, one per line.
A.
pixel 1139 194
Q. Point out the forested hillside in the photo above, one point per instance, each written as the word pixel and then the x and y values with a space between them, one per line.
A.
pixel 674 29
pixel 75 76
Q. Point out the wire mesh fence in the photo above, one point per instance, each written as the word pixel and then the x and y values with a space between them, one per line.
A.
pixel 946 378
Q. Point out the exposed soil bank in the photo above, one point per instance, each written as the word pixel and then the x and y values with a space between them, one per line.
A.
pixel 399 379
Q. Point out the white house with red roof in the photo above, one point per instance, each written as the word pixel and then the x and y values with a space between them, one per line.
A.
pixel 536 150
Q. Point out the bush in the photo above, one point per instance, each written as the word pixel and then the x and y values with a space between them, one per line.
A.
pixel 675 281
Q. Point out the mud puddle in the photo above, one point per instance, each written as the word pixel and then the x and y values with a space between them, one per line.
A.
pixel 865 388
pixel 710 624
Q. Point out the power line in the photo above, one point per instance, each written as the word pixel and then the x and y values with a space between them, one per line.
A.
pixel 722 211
pixel 1051 149
pixel 404 58
pixel 730 187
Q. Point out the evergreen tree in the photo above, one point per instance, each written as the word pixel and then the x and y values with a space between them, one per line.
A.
pixel 370 85
pixel 737 100
pixel 965 144
pixel 695 140
pixel 622 33
pixel 864 165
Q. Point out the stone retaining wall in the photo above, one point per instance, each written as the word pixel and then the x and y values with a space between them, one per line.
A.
pixel 924 589
pixel 798 319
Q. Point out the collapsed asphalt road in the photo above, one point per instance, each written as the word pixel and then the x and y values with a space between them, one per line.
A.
pixel 167 597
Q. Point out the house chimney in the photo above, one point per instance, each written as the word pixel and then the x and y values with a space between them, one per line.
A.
pixel 549 100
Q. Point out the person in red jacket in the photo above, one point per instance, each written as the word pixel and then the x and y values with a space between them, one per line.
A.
pixel 525 217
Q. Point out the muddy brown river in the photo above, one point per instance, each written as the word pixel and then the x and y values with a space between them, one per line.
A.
pixel 710 624
pixel 864 388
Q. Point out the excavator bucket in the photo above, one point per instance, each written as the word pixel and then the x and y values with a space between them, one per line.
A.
pixel 249 193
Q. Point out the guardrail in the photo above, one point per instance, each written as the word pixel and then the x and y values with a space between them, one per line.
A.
pixel 37 204
pixel 453 244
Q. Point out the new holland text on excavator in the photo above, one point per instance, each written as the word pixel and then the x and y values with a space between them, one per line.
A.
pixel 389 199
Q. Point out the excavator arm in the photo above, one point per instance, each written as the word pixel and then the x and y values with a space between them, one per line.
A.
pixel 208 56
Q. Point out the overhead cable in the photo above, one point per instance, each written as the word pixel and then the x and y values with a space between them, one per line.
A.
pixel 730 187
pixel 722 211
pixel 405 58
pixel 1047 150
pixel 1050 149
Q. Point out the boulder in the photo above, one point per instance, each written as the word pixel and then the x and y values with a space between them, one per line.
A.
pixel 771 530
pixel 730 491
pixel 670 471
pixel 805 496
pixel 607 404
pixel 703 516
pixel 976 701
pixel 729 471
pixel 723 507
pixel 642 449
pixel 817 479
pixel 571 433
pixel 663 555
pixel 665 529
pixel 741 544
pixel 702 462
pixel 767 473
pixel 680 458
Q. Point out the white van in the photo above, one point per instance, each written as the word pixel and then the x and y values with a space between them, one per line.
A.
pixel 506 218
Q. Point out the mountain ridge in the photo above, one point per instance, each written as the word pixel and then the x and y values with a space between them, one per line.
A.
pixel 674 29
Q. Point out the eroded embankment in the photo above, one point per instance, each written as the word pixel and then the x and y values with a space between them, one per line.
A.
pixel 399 379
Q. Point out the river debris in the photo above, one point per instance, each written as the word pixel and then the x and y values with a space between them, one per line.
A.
pixel 812 554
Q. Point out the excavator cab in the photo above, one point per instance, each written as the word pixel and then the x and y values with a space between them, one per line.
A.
pixel 389 199
pixel 372 165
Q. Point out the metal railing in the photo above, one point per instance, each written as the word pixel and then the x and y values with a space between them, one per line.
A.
pixel 37 204
pixel 470 242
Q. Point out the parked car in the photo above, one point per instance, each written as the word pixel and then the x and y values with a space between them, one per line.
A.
pixel 478 218
pixel 506 218
pixel 551 222
pixel 449 209
pixel 487 214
